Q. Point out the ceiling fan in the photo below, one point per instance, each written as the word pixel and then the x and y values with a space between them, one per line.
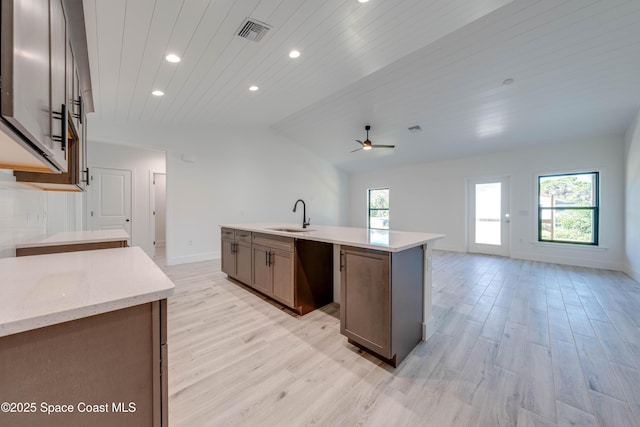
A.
pixel 367 145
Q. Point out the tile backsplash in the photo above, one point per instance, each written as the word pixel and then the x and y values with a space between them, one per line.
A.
pixel 22 215
pixel 26 213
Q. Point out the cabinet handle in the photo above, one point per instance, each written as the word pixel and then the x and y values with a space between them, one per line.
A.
pixel 62 116
pixel 341 256
pixel 269 259
pixel 266 259
pixel 79 104
pixel 87 172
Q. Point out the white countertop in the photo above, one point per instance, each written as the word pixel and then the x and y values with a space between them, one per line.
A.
pixel 384 240
pixel 43 290
pixel 75 237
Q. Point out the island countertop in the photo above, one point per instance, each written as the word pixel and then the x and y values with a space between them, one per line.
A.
pixel 42 290
pixel 383 240
pixel 74 237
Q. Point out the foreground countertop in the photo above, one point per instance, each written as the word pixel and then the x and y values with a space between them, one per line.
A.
pixel 74 237
pixel 384 240
pixel 43 290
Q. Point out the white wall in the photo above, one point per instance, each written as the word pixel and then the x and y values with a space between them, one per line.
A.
pixel 431 197
pixel 632 199
pixel 236 176
pixel 141 162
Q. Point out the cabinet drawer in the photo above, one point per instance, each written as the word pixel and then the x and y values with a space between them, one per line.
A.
pixel 276 242
pixel 228 233
pixel 243 236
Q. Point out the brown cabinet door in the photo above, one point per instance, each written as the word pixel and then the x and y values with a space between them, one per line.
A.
pixel 282 276
pixel 365 305
pixel 243 262
pixel 58 77
pixel 261 274
pixel 228 258
pixel 28 71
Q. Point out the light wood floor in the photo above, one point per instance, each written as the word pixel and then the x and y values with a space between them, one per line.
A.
pixel 517 343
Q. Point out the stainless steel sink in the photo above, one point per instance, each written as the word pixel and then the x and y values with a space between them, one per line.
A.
pixel 290 229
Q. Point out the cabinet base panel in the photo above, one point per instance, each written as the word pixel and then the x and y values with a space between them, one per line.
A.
pixel 393 361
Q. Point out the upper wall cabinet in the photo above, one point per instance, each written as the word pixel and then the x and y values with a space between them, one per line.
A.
pixel 38 82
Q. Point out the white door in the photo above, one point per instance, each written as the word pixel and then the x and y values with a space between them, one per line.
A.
pixel 110 199
pixel 489 217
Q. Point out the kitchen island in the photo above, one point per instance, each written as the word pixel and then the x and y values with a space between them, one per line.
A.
pixel 71 241
pixel 383 278
pixel 83 339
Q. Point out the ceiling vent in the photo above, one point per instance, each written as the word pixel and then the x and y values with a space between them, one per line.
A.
pixel 414 129
pixel 252 29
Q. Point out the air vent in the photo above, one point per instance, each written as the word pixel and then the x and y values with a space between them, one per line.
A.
pixel 415 128
pixel 253 29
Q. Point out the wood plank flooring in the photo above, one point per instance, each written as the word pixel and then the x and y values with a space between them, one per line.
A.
pixel 516 343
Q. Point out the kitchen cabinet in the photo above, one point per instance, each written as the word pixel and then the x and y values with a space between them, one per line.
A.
pixel 236 254
pixel 76 176
pixel 88 327
pixel 381 300
pixel 273 267
pixel 33 84
pixel 297 273
pixel 114 359
pixel 39 93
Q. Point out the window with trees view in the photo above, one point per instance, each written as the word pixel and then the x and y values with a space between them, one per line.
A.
pixel 568 208
pixel 379 208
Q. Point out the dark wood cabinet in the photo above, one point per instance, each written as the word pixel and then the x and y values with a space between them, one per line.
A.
pixel 381 300
pixel 33 84
pixel 42 120
pixel 236 254
pixel 297 273
pixel 114 359
pixel 273 267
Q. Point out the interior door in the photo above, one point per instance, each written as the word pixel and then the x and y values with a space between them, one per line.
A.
pixel 157 220
pixel 111 199
pixel 489 218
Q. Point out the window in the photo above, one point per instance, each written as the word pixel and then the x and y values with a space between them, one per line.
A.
pixel 378 207
pixel 568 208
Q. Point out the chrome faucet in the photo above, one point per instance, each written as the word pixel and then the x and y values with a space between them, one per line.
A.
pixel 305 221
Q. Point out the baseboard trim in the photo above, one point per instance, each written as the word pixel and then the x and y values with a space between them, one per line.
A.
pixel 188 259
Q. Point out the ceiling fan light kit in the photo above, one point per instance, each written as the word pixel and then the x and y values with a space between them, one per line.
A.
pixel 366 145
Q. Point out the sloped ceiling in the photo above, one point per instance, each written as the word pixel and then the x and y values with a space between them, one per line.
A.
pixel 391 64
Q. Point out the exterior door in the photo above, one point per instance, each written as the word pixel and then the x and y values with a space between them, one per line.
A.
pixel 110 199
pixel 489 217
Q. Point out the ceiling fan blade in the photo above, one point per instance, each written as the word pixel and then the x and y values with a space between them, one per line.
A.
pixel 357 149
pixel 383 146
pixel 359 142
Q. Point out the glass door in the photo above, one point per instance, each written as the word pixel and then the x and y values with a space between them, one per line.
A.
pixel 489 219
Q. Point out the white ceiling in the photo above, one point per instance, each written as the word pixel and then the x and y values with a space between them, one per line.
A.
pixel 439 64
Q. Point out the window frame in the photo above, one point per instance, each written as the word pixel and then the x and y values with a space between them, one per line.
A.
pixel 595 208
pixel 369 209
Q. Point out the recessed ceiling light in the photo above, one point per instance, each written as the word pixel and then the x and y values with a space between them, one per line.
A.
pixel 508 81
pixel 157 93
pixel 253 88
pixel 172 58
pixel 294 54
pixel 363 1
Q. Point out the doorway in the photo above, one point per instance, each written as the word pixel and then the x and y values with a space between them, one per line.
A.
pixel 158 219
pixel 488 215
pixel 110 199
